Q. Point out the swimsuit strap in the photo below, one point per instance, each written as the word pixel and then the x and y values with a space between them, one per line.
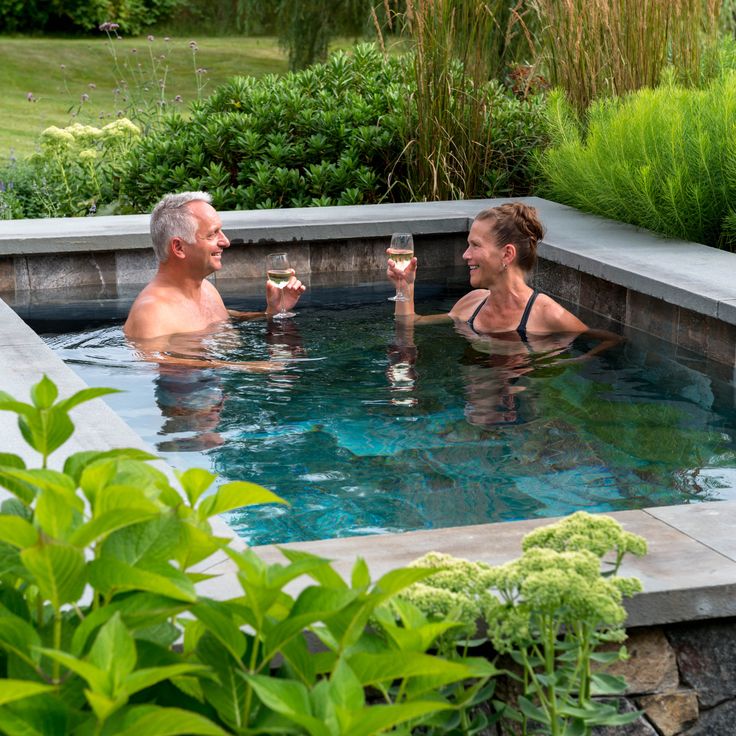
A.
pixel 475 314
pixel 521 329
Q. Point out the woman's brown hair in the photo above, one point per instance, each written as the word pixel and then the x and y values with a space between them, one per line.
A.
pixel 518 224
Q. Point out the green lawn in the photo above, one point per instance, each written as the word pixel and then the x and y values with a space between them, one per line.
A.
pixel 34 65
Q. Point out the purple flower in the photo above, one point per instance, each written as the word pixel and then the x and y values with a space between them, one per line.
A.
pixel 85 97
pixel 92 85
pixel 31 97
pixel 201 70
pixel 149 38
pixel 178 98
pixel 193 45
pixel 167 39
pixel 134 51
pixel 62 66
pixel 107 26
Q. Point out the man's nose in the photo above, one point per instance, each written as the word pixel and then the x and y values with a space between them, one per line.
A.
pixel 466 254
pixel 223 242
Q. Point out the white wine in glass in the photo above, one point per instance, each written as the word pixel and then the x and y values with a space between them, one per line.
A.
pixel 401 252
pixel 279 272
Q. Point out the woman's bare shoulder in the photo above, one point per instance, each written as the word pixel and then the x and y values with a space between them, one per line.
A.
pixel 550 316
pixel 465 305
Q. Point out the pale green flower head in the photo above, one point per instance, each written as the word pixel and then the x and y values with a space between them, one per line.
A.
pixel 84 135
pixel 598 534
pixel 88 155
pixel 58 138
pixel 121 128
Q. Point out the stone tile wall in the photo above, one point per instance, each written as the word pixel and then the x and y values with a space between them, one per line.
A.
pixel 680 326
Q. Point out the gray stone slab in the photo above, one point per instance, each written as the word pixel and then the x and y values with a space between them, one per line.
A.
pixel 712 524
pixel 13 331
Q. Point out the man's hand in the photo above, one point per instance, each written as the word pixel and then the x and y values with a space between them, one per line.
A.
pixel 290 294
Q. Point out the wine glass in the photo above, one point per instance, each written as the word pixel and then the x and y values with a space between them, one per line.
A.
pixel 401 251
pixel 279 272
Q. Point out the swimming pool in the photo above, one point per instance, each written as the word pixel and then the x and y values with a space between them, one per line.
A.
pixel 370 430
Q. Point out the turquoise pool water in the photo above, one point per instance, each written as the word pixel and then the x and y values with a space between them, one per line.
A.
pixel 370 430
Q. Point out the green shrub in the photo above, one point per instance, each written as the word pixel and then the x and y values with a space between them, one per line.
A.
pixel 662 159
pixel 102 629
pixel 321 136
pixel 331 134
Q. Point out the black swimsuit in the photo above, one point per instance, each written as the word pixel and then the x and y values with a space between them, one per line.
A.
pixel 521 329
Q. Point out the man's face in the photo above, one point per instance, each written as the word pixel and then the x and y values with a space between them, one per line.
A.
pixel 204 253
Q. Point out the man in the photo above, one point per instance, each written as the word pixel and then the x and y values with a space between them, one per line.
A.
pixel 188 242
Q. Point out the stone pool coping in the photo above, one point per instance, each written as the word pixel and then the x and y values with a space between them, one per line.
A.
pixel 690 572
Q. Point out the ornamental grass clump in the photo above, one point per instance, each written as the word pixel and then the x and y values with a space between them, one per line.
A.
pixel 663 159
pixel 549 611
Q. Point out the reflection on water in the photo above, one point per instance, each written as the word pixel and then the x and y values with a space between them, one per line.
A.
pixel 372 428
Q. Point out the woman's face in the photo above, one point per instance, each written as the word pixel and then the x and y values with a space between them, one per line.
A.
pixel 485 260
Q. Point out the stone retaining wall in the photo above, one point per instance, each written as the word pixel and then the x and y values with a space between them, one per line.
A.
pixel 683 676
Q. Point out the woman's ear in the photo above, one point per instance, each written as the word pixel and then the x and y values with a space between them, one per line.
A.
pixel 509 253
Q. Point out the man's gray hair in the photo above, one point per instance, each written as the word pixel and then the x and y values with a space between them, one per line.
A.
pixel 171 218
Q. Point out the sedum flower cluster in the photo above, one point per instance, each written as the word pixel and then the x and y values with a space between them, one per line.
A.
pixel 582 531
pixel 459 590
pixel 81 164
pixel 558 579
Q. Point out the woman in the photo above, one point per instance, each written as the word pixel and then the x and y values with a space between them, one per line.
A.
pixel 501 253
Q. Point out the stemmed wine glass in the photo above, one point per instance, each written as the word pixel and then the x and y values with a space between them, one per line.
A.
pixel 401 251
pixel 279 272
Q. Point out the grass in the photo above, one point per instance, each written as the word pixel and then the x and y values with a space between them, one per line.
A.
pixel 34 65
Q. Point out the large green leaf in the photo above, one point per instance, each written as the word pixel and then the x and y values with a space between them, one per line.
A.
pixel 46 430
pixel 95 677
pixel 110 521
pixel 141 679
pixel 313 604
pixel 58 571
pixel 8 403
pixel 154 721
pixel 44 393
pixel 345 688
pixel 86 394
pixel 227 694
pixel 114 652
pixel 146 544
pixel 289 698
pixel 18 532
pixel 197 545
pixel 234 495
pixel 194 482
pixel 139 610
pixel 373 669
pixel 218 619
pixel 12 690
pixel 109 575
pixel 75 464
pixel 378 719
pixel 19 637
pixel 322 571
pixel 58 512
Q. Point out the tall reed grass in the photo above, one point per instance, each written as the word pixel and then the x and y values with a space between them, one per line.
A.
pixel 597 48
pixel 663 159
pixel 458 46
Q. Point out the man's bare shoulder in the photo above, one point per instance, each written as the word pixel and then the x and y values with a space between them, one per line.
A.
pixel 155 312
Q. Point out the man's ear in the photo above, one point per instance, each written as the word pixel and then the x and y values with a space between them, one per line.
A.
pixel 176 246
